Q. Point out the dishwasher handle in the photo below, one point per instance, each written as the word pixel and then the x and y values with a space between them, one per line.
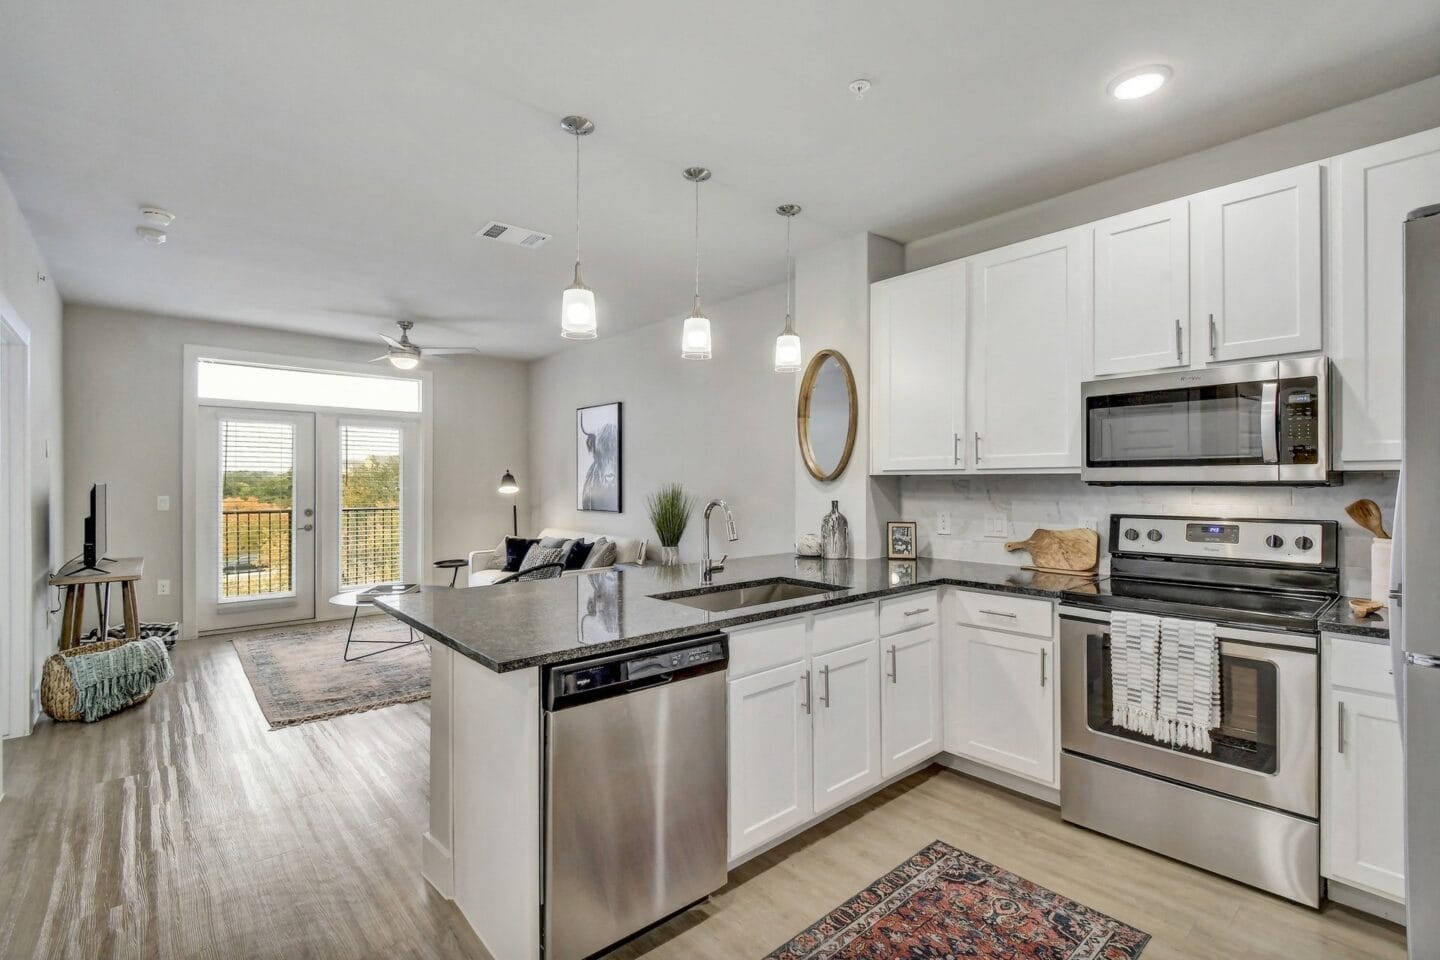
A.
pixel 575 684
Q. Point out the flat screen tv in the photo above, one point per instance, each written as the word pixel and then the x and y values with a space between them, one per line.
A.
pixel 95 544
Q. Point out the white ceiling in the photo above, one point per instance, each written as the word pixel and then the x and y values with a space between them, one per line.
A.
pixel 329 160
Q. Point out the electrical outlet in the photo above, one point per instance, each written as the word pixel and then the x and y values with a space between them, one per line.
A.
pixel 942 523
pixel 997 525
pixel 162 588
pixel 162 503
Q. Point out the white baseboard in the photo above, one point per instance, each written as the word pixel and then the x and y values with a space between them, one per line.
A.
pixel 1365 901
pixel 437 866
pixel 1000 778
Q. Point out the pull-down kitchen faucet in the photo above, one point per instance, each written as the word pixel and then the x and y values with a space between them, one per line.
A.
pixel 707 569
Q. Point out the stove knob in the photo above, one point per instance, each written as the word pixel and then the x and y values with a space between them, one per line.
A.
pixel 1154 535
pixel 1275 541
pixel 1132 534
pixel 1304 543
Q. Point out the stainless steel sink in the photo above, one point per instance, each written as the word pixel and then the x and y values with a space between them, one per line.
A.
pixel 750 595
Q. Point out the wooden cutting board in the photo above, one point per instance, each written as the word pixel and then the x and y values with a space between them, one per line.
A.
pixel 1061 551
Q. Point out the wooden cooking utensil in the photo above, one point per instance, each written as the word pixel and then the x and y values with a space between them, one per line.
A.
pixel 1363 608
pixel 1061 551
pixel 1367 514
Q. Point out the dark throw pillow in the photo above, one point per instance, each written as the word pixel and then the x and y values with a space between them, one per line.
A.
pixel 515 550
pixel 579 550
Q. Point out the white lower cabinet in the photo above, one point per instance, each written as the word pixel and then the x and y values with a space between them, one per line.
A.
pixel 770 749
pixel 1363 799
pixel 1000 694
pixel 911 728
pixel 847 723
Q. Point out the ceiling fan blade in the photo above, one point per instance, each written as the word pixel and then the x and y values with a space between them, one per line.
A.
pixel 390 340
pixel 381 359
pixel 448 351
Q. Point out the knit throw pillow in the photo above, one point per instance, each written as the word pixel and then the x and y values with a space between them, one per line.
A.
pixel 539 556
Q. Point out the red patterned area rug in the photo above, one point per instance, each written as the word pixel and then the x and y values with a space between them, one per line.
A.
pixel 943 903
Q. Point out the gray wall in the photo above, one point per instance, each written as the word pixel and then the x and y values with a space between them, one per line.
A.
pixel 123 426
pixel 37 305
pixel 723 427
pixel 1390 115
pixel 1062 502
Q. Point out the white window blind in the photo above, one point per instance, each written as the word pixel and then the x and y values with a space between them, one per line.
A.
pixel 371 519
pixel 257 496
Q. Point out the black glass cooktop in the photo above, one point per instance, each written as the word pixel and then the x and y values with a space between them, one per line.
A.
pixel 1275 610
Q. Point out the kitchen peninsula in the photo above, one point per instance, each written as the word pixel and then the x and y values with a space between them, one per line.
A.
pixel 490 648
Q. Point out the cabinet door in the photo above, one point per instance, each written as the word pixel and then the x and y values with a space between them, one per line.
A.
pixel 1364 816
pixel 1142 290
pixel 1005 715
pixel 1029 306
pixel 1259 245
pixel 911 728
pixel 847 723
pixel 917 362
pixel 1371 192
pixel 770 755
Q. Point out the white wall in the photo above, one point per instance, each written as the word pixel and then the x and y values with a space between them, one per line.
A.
pixel 1063 502
pixel 123 426
pixel 723 427
pixel 36 304
pixel 1396 113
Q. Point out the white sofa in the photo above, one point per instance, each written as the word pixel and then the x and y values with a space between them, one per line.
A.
pixel 483 573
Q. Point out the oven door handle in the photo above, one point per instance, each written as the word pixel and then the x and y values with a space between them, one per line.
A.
pixel 1269 422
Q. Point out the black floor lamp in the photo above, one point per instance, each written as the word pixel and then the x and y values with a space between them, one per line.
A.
pixel 510 488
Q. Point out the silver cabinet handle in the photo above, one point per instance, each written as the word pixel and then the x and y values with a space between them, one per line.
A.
pixel 806 705
pixel 1340 727
pixel 1214 336
pixel 959 453
pixel 917 611
pixel 998 613
pixel 894 665
pixel 825 676
pixel 1179 343
pixel 977 448
pixel 1043 652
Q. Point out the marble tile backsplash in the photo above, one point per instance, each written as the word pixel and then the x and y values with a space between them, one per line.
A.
pixel 977 503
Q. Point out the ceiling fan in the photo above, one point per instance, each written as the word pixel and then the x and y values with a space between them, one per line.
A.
pixel 404 354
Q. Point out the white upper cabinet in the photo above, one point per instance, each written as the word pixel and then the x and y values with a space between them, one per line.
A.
pixel 1142 291
pixel 1029 305
pixel 1258 269
pixel 1371 191
pixel 917 364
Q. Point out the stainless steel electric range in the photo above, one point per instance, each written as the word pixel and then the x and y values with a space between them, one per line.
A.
pixel 1248 809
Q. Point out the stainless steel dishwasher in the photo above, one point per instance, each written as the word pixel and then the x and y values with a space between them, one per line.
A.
pixel 635 814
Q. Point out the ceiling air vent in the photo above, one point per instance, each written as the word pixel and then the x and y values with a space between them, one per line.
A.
pixel 513 235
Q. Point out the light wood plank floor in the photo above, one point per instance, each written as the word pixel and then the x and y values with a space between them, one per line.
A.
pixel 188 829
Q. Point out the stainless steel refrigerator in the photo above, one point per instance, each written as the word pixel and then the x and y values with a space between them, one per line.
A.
pixel 1415 583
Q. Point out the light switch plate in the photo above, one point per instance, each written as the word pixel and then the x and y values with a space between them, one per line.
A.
pixel 942 523
pixel 162 588
pixel 162 503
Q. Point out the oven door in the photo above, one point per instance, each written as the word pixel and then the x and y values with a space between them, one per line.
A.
pixel 1265 750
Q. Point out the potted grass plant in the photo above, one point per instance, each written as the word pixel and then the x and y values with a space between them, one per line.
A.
pixel 670 508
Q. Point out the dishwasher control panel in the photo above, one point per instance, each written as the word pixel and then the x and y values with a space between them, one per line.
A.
pixel 673 660
pixel 632 670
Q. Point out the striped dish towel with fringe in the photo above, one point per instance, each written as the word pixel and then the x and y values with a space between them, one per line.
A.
pixel 1189 684
pixel 1134 662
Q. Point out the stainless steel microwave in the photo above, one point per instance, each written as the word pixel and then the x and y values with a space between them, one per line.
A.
pixel 1263 422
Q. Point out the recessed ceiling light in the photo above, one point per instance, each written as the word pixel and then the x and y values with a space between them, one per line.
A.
pixel 151 235
pixel 1134 84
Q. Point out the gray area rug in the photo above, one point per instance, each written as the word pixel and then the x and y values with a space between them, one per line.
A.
pixel 300 674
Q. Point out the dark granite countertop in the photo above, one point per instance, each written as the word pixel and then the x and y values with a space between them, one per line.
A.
pixel 523 625
pixel 1339 618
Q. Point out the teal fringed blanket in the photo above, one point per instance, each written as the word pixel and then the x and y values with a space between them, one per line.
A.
pixel 110 680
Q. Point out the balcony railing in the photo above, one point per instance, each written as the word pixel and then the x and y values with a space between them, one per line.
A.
pixel 257 550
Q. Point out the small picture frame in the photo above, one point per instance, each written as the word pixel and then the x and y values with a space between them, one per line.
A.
pixel 900 537
pixel 903 572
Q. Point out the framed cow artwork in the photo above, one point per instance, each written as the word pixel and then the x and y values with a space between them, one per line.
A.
pixel 597 458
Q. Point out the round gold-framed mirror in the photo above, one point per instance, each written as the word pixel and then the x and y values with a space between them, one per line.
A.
pixel 826 415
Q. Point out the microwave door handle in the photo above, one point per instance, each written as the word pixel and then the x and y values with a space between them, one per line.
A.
pixel 1269 422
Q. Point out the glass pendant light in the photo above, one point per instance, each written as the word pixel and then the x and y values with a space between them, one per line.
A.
pixel 695 339
pixel 787 345
pixel 577 306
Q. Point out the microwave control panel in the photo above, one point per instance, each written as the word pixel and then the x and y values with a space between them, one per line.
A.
pixel 1299 421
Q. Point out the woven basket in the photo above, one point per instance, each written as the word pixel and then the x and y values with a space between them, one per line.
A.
pixel 57 688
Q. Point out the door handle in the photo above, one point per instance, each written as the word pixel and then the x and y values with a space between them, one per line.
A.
pixel 894 665
pixel 1043 652
pixel 825 676
pixel 308 526
pixel 1214 336
pixel 806 704
pixel 1340 727
pixel 1179 343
